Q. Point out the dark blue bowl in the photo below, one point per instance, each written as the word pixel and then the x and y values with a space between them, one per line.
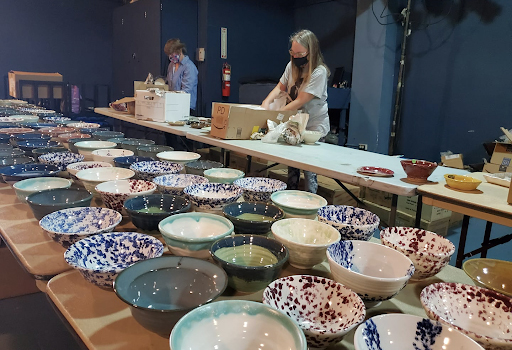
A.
pixel 4 138
pixel 16 160
pixel 11 152
pixel 45 202
pixel 36 125
pixel 147 211
pixel 14 173
pixel 29 137
pixel 249 277
pixel 40 151
pixel 91 131
pixel 125 162
pixel 29 145
pixel 261 216
pixel 105 135
pixel 8 125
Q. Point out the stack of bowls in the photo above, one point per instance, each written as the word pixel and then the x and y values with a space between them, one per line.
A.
pixel 259 189
pixel 92 177
pixel 115 193
pixel 351 222
pixel 252 217
pixel 176 183
pixel 298 204
pixel 212 197
pixel 45 202
pixel 151 169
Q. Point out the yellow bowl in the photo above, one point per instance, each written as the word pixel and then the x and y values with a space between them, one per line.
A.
pixel 491 274
pixel 462 182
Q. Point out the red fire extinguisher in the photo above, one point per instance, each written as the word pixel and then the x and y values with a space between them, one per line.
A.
pixel 226 79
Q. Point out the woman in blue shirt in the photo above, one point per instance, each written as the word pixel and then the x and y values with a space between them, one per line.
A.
pixel 182 72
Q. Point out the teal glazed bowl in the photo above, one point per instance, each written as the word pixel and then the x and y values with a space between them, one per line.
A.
pixel 251 262
pixel 298 204
pixel 162 290
pixel 45 202
pixel 252 217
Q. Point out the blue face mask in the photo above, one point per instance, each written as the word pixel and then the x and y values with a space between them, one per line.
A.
pixel 174 58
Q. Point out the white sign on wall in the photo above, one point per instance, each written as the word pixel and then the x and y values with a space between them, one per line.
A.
pixel 223 42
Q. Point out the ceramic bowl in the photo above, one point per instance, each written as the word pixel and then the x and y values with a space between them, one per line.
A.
pixel 269 328
pixel 223 175
pixel 5 139
pixel 28 137
pixel 375 272
pixel 15 160
pixel 61 159
pixel 11 153
pixel 37 125
pixel 462 182
pixel 311 136
pixel 26 187
pixel 56 119
pixel 324 309
pixel 148 210
pixel 100 258
pixel 18 172
pixel 6 146
pixel 91 131
pixel 211 197
pixel 68 226
pixel 402 331
pixel 45 202
pixel 490 273
pixel 418 169
pixel 117 140
pixel 108 155
pixel 152 150
pixel 40 151
pixel 307 240
pixel 155 289
pixel 29 145
pixel 132 144
pixel 126 162
pixel 92 177
pixel 14 131
pixel 178 156
pixel 197 167
pixel 115 193
pixel 252 217
pixel 175 183
pixel 259 189
pixel 55 132
pixel 71 142
pixel 251 262
pixel 105 135
pixel 82 125
pixel 64 138
pixel 192 234
pixel 352 223
pixel 298 204
pixel 86 147
pixel 482 314
pixel 76 167
pixel 150 169
pixel 429 252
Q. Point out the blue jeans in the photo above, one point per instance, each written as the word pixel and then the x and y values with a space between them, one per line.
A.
pixel 311 183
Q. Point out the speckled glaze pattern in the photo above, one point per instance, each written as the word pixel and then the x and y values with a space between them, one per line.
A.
pixel 101 257
pixel 68 226
pixel 148 170
pixel 324 309
pixel 482 314
pixel 175 183
pixel 115 193
pixel 259 189
pixel 212 196
pixel 61 159
pixel 352 223
pixel 429 252
pixel 375 272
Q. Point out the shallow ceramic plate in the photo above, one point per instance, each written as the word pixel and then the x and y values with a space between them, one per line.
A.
pixel 491 273
pixel 375 171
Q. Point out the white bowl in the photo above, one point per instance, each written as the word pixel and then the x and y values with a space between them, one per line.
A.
pixel 402 331
pixel 192 234
pixel 176 183
pixel 324 309
pixel 115 193
pixel 375 272
pixel 25 187
pixel 223 175
pixel 311 136
pixel 108 155
pixel 298 204
pixel 86 147
pixel 429 252
pixel 352 223
pixel 178 156
pixel 236 325
pixel 94 176
pixel 307 240
pixel 76 167
pixel 482 314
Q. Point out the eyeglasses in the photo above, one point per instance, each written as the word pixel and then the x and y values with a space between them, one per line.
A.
pixel 298 54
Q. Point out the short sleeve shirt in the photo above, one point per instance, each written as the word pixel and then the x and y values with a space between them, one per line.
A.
pixel 316 86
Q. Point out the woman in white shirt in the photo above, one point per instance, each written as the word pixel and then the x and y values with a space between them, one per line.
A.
pixel 305 80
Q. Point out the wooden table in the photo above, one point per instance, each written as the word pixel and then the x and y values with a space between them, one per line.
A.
pixel 488 202
pixel 104 322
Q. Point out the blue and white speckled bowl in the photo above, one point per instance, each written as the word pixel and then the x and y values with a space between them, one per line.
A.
pixel 375 272
pixel 212 197
pixel 352 223
pixel 126 162
pixel 148 170
pixel 259 189
pixel 61 159
pixel 101 257
pixel 53 119
pixel 68 226
pixel 402 331
pixel 19 172
pixel 175 183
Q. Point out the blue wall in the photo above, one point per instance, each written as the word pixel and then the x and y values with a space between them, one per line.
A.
pixel 71 37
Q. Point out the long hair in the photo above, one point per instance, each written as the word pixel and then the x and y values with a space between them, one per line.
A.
pixel 309 40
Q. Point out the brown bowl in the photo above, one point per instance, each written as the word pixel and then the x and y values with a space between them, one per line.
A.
pixel 418 169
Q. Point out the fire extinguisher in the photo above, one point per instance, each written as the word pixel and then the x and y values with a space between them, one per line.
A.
pixel 226 79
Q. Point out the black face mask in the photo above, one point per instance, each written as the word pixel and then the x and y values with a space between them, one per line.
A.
pixel 299 62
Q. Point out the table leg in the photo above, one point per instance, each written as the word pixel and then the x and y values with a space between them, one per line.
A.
pixel 487 236
pixel 392 214
pixel 462 241
pixel 248 167
pixel 419 207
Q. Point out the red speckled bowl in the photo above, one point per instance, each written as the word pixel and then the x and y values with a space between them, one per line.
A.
pixel 418 169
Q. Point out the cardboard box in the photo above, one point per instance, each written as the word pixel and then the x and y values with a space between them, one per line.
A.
pixel 453 161
pixel 140 85
pixel 502 154
pixel 172 106
pixel 509 199
pixel 377 196
pixel 239 121
pixel 496 168
pixel 27 91
pixel 409 205
pixel 456 219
